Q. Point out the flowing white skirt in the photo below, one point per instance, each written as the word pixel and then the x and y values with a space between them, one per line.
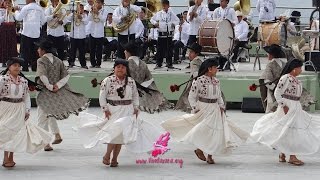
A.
pixel 208 130
pixel 296 132
pixel 18 135
pixel 122 128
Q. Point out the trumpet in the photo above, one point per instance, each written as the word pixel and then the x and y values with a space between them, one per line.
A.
pixel 95 15
pixel 78 13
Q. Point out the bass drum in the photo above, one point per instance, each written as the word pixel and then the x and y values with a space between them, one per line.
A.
pixel 315 41
pixel 216 36
pixel 272 33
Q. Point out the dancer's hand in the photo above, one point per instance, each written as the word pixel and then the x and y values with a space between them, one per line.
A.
pixel 222 111
pixel 285 109
pixel 26 117
pixel 107 114
pixel 55 88
pixel 136 112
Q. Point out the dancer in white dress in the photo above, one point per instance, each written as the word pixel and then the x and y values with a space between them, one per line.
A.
pixel 17 134
pixel 119 100
pixel 290 130
pixel 207 129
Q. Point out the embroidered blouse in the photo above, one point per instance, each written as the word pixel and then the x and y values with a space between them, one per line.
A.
pixel 108 90
pixel 288 85
pixel 205 87
pixel 11 88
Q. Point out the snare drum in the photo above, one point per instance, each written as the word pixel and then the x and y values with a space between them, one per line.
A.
pixel 216 36
pixel 272 33
pixel 110 32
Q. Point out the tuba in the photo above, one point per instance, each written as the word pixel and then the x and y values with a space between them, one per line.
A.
pixel 243 6
pixel 54 23
pixel 126 21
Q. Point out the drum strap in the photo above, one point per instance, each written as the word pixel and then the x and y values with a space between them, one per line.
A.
pixel 270 33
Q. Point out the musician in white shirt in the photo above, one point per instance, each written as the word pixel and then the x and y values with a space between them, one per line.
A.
pixel 119 14
pixel 33 18
pixel 224 12
pixel 241 30
pixel 55 27
pixel 266 10
pixel 180 38
pixel 211 6
pixel 196 16
pixel 97 16
pixel 166 21
pixel 78 20
pixel 111 40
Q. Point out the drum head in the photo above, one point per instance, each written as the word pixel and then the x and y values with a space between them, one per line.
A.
pixel 225 36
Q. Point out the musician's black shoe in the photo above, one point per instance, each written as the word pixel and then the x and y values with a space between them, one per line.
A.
pixel 84 67
pixel 71 65
pixel 92 66
pixel 157 67
pixel 170 67
pixel 98 66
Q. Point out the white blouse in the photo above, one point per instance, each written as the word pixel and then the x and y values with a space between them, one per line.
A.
pixel 205 87
pixel 109 88
pixel 288 85
pixel 11 89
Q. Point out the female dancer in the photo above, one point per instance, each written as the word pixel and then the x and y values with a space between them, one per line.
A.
pixel 17 134
pixel 289 129
pixel 207 129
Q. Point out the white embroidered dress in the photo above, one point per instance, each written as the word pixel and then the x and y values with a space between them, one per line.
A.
pixel 208 129
pixel 16 134
pixel 122 127
pixel 296 132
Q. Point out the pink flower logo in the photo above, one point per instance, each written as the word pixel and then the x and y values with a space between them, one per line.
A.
pixel 160 147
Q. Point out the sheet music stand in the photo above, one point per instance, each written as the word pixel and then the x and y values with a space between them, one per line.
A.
pixel 311 34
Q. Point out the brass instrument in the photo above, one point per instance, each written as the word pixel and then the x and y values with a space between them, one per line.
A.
pixel 126 21
pixel 95 15
pixel 43 3
pixel 54 23
pixel 78 13
pixel 243 6
pixel 194 10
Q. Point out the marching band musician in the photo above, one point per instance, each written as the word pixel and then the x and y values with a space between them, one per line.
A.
pixel 111 42
pixel 211 6
pixel 8 33
pixel 120 14
pixel 266 10
pixel 180 38
pixel 78 20
pixel 241 30
pixel 196 16
pixel 55 27
pixel 152 39
pixel 97 16
pixel 165 20
pixel 33 18
pixel 139 36
pixel 225 12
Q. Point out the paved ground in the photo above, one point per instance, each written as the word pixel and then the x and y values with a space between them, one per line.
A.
pixel 70 161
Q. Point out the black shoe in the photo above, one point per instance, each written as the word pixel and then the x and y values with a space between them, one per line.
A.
pixel 84 67
pixel 157 67
pixel 4 65
pixel 170 67
pixel 92 66
pixel 98 66
pixel 188 67
pixel 71 64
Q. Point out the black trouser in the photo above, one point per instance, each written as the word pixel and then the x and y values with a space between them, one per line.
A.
pixel 96 51
pixel 28 52
pixel 237 45
pixel 164 50
pixel 109 47
pixel 177 45
pixel 123 39
pixel 88 44
pixel 78 44
pixel 192 39
pixel 58 43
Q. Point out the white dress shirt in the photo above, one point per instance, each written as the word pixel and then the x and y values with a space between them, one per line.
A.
pixel 55 32
pixel 226 13
pixel 197 21
pixel 165 19
pixel 45 79
pixel 88 26
pixel 97 28
pixel 140 29
pixel 241 31
pixel 262 6
pixel 184 33
pixel 121 12
pixel 153 34
pixel 33 18
pixel 78 32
